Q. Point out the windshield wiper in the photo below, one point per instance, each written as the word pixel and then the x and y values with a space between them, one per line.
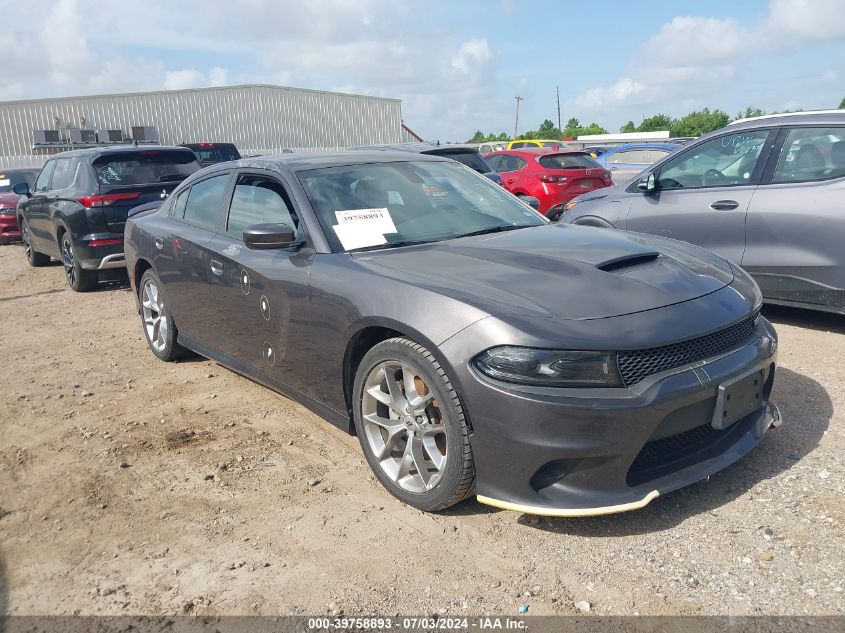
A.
pixel 376 247
pixel 494 229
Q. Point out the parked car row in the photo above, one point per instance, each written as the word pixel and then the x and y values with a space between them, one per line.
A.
pixel 451 327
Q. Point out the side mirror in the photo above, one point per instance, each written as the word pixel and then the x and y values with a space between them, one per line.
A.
pixel 259 237
pixel 22 189
pixel 531 201
pixel 647 183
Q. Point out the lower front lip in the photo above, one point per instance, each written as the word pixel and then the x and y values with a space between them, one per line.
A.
pixel 588 452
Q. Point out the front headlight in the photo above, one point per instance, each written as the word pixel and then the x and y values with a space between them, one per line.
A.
pixel 549 367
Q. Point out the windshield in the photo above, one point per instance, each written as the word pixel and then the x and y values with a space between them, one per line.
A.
pixel 220 153
pixel 554 144
pixel 145 167
pixel 379 205
pixel 9 179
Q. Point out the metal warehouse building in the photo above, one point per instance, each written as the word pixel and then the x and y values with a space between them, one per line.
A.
pixel 258 119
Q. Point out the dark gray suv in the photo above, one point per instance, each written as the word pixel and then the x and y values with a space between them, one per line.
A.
pixel 767 193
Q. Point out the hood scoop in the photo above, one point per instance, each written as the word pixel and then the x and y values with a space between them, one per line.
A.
pixel 627 261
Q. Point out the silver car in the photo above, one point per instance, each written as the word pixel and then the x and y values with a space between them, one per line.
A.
pixel 767 193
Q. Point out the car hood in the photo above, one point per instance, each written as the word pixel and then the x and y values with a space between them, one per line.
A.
pixel 9 198
pixel 559 271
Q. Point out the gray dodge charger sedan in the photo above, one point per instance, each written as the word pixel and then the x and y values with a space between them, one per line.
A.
pixel 473 347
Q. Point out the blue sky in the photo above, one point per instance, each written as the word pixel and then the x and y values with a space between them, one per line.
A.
pixel 455 65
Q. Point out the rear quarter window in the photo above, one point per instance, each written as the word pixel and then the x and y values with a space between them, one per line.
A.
pixel 144 167
pixel 568 161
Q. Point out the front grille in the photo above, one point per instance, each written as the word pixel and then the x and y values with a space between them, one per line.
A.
pixel 658 450
pixel 637 364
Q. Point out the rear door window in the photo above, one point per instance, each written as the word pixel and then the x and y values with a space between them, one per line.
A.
pixel 64 173
pixel 631 156
pixel 811 153
pixel 144 167
pixel 205 201
pixel 511 163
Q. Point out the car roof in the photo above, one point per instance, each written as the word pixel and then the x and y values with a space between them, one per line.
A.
pixel 94 152
pixel 420 148
pixel 540 151
pixel 319 160
pixel 817 117
pixel 669 145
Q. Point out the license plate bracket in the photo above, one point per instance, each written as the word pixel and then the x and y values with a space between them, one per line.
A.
pixel 737 398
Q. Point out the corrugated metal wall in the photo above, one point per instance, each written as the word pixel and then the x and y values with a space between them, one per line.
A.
pixel 256 118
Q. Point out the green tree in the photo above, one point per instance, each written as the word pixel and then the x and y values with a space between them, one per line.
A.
pixel 842 104
pixel 548 129
pixel 656 123
pixel 750 112
pixel 628 128
pixel 572 124
pixel 700 122
pixel 478 137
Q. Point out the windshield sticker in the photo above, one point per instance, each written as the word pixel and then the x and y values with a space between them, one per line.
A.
pixel 359 234
pixel 375 219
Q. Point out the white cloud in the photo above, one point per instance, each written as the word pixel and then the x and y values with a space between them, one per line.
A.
pixel 807 19
pixel 620 92
pixel 193 78
pixel 473 56
pixel 691 58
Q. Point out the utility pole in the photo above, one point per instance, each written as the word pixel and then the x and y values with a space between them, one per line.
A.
pixel 516 122
pixel 557 92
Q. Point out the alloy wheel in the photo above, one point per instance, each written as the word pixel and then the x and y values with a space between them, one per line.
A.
pixel 404 426
pixel 68 260
pixel 155 319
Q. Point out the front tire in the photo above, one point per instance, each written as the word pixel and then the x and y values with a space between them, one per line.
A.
pixel 159 329
pixel 35 259
pixel 78 278
pixel 412 427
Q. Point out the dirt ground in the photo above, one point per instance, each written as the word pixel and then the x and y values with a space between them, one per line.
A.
pixel 132 486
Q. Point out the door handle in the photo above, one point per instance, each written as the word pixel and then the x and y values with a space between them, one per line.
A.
pixel 216 267
pixel 721 205
pixel 159 242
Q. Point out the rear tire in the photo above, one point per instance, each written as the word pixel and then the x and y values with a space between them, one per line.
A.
pixel 412 426
pixel 159 329
pixel 35 259
pixel 78 278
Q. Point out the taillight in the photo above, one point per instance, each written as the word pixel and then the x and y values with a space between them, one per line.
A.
pixel 116 240
pixel 550 178
pixel 106 199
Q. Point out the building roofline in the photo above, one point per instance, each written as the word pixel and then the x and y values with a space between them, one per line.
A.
pixel 192 90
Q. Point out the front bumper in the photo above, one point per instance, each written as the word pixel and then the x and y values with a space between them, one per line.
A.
pixel 562 452
pixel 9 229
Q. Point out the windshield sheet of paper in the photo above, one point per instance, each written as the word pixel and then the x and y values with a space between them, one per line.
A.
pixel 357 228
pixel 376 218
pixel 358 234
pixel 5 182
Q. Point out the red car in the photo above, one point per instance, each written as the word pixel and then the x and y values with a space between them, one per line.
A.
pixel 554 177
pixel 9 201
